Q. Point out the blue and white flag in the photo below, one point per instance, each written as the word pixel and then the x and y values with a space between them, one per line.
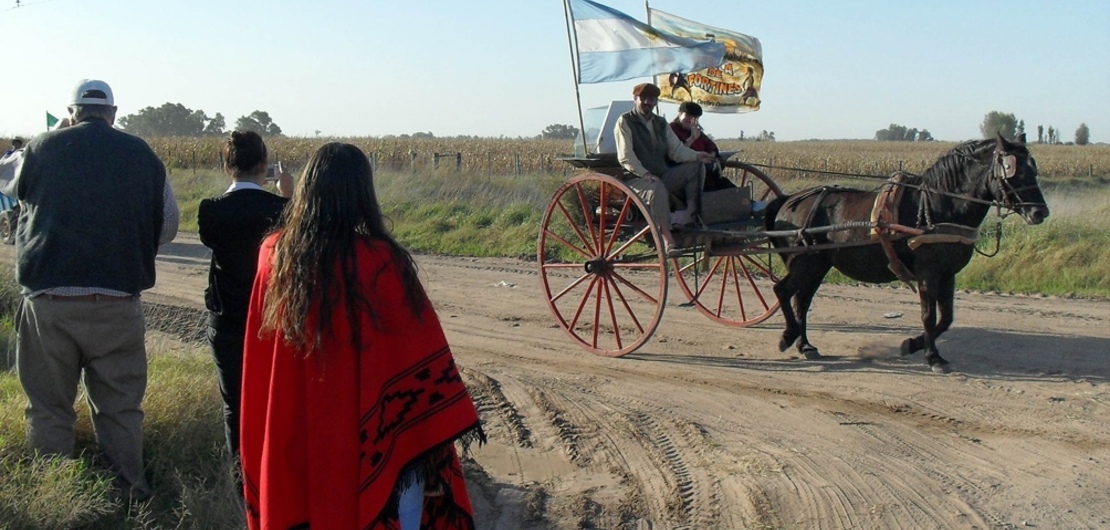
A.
pixel 613 46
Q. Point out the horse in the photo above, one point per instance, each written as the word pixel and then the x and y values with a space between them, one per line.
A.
pixel 850 230
pixel 678 80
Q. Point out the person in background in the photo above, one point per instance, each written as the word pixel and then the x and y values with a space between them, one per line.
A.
pixel 645 144
pixel 687 128
pixel 96 206
pixel 351 397
pixel 233 225
pixel 9 166
pixel 17 144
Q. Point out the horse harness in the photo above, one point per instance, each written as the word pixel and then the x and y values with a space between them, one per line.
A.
pixel 886 226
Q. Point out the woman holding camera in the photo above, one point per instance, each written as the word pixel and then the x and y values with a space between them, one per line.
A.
pixel 233 225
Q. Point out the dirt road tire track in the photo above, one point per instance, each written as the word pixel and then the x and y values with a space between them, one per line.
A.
pixel 712 427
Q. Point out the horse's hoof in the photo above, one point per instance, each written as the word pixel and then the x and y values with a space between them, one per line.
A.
pixel 907 347
pixel 784 345
pixel 941 368
pixel 811 352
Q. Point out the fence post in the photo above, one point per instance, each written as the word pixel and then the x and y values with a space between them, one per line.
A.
pixel 489 163
pixel 194 162
pixel 899 166
pixel 458 161
pixel 517 157
pixel 412 160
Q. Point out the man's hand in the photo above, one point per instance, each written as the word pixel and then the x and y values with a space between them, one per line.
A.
pixel 706 158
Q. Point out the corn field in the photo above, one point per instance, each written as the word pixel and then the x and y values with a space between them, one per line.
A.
pixel 531 156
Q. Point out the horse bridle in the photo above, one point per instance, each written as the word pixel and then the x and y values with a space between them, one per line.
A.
pixel 1003 170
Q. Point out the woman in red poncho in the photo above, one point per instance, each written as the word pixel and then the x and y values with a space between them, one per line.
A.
pixel 351 398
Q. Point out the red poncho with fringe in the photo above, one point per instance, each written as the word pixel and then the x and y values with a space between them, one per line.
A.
pixel 325 438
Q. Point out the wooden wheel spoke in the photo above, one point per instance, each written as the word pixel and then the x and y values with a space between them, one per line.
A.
pixel 582 304
pixel 751 281
pixel 708 276
pixel 568 288
pixel 597 308
pixel 635 238
pixel 728 273
pixel 574 226
pixel 569 245
pixel 612 314
pixel 737 264
pixel 588 215
pixel 627 308
pixel 764 268
pixel 634 288
pixel 617 225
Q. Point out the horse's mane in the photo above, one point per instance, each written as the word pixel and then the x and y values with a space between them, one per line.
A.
pixel 950 171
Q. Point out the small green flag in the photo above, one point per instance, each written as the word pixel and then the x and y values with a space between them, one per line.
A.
pixel 50 120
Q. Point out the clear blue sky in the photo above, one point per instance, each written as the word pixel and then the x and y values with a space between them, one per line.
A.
pixel 834 69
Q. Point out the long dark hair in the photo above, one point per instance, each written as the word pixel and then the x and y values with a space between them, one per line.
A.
pixel 333 209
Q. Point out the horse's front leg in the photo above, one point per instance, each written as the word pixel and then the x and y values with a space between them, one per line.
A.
pixel 928 289
pixel 946 305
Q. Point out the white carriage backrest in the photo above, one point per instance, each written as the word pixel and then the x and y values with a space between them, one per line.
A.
pixel 607 140
pixel 600 128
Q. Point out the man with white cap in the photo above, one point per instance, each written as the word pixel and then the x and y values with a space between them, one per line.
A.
pixel 96 206
pixel 660 164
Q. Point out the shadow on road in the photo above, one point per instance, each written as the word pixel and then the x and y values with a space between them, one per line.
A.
pixel 986 354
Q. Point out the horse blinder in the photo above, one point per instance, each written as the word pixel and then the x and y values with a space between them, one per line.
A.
pixel 1005 171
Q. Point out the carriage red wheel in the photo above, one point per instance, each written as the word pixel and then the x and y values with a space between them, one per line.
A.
pixel 733 283
pixel 603 269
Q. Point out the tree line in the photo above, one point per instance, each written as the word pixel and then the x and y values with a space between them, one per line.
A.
pixel 175 119
pixel 1011 127
pixel 995 122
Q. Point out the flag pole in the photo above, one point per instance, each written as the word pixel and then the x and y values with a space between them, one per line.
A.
pixel 572 43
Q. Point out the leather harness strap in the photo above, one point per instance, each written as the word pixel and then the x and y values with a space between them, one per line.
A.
pixel 884 215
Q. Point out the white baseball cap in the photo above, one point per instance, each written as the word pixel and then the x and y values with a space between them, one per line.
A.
pixel 92 92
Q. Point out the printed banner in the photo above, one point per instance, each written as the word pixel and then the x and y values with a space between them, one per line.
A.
pixel 613 46
pixel 734 86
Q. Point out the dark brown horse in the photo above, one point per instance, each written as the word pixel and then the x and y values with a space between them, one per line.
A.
pixel 943 208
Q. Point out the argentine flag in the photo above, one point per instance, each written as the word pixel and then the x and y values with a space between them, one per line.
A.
pixel 613 46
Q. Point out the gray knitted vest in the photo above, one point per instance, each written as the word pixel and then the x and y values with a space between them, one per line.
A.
pixel 92 210
pixel 650 146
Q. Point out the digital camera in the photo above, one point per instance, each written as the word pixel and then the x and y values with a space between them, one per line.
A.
pixel 273 171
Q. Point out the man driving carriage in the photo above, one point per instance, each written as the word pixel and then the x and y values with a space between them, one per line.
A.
pixel 645 144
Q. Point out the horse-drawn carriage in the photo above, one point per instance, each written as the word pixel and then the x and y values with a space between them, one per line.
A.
pixel 605 274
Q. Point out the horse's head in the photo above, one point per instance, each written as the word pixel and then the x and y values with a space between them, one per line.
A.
pixel 1014 180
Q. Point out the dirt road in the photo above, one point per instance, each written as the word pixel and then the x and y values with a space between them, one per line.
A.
pixel 711 427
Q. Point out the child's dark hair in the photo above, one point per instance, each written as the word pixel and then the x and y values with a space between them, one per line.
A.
pixel 244 152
